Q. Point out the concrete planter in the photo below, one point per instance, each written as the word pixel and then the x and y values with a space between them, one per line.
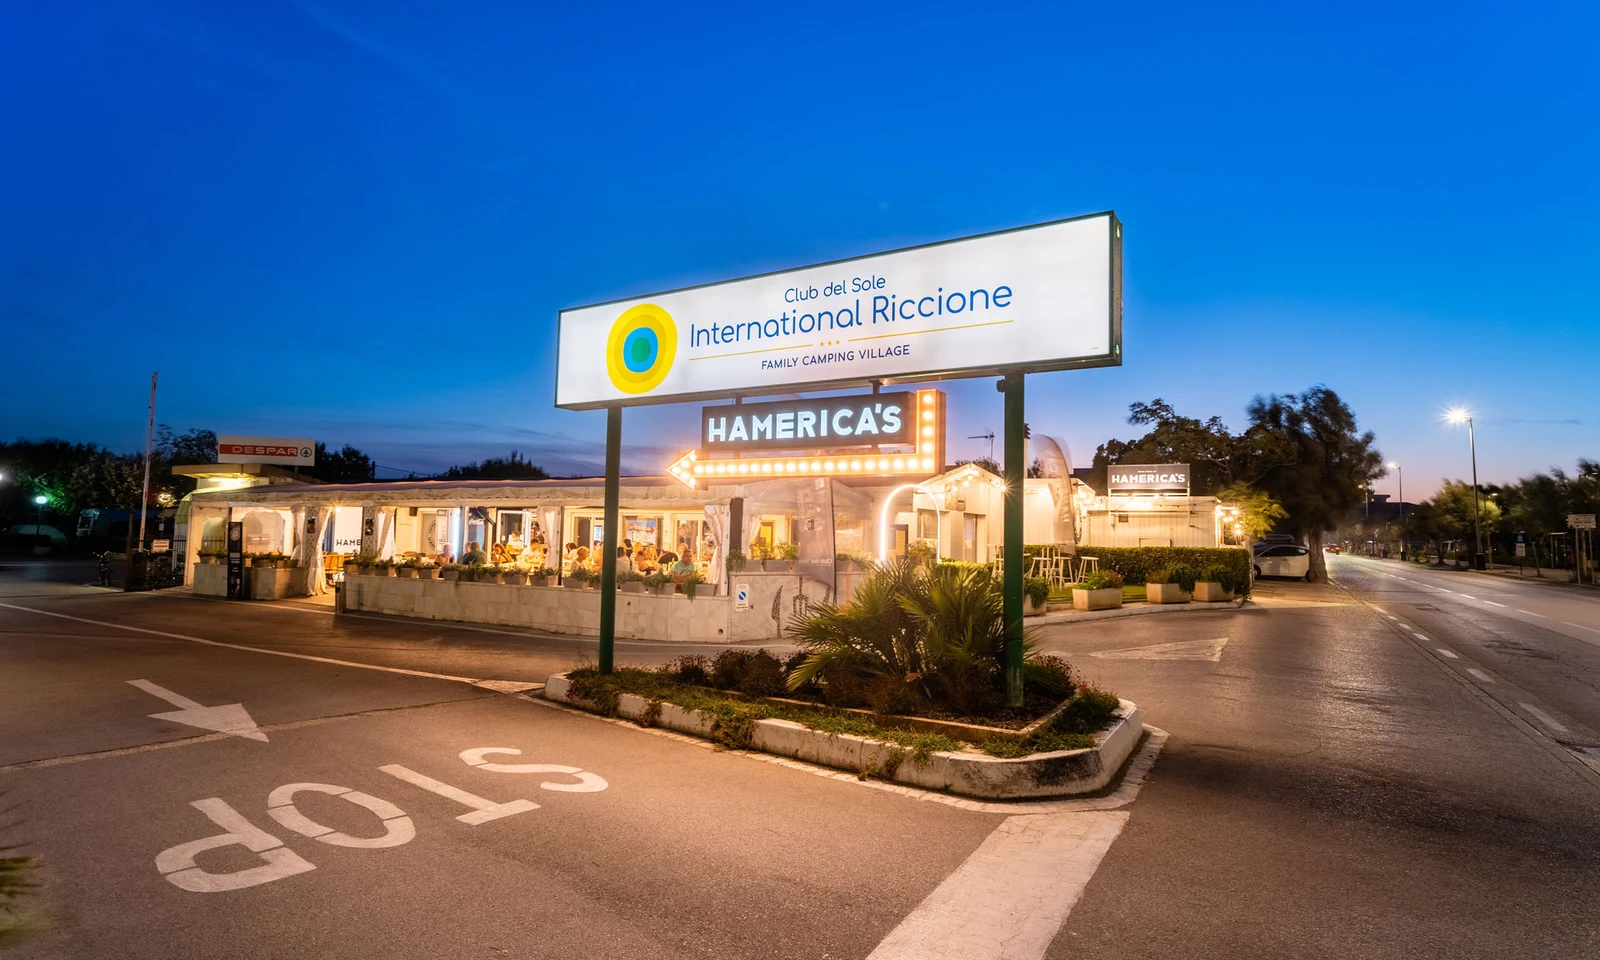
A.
pixel 666 589
pixel 632 586
pixel 1031 609
pixel 410 573
pixel 211 560
pixel 428 573
pixel 385 572
pixel 450 574
pixel 517 579
pixel 1057 774
pixel 1108 599
pixel 540 581
pixel 352 569
pixel 1165 593
pixel 1208 592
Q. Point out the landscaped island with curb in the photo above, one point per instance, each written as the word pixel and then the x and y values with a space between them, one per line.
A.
pixel 968 773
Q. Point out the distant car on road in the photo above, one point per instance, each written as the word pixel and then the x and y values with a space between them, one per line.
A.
pixel 1330 548
pixel 1284 560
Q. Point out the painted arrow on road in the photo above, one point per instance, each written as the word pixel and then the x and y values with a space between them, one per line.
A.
pixel 230 718
pixel 1182 650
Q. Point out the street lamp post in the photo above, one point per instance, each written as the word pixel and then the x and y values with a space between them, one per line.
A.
pixel 1458 415
pixel 1400 475
pixel 38 514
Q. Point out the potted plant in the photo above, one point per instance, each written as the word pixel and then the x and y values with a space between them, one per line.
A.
pixel 580 578
pixel 1215 584
pixel 787 551
pixel 427 568
pixel 921 552
pixel 365 563
pixel 736 561
pixel 1035 596
pixel 486 573
pixel 760 551
pixel 690 582
pixel 541 577
pixel 631 582
pixel 212 555
pixel 517 574
pixel 451 571
pixel 1100 590
pixel 406 568
pixel 1173 584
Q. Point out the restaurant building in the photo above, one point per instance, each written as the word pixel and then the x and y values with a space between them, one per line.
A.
pixel 814 533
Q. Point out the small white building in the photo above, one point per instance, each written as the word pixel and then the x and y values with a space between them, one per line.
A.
pixel 1148 519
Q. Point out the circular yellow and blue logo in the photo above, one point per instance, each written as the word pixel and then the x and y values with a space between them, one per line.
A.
pixel 640 350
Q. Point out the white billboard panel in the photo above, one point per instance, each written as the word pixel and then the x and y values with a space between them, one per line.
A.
pixel 1046 297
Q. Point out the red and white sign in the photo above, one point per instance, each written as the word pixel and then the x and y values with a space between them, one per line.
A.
pixel 286 450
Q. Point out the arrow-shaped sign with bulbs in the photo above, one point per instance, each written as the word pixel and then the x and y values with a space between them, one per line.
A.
pixel 880 434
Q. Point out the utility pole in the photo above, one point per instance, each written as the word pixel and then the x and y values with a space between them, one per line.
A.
pixel 149 435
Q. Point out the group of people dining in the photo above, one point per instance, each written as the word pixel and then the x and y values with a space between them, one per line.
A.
pixel 642 558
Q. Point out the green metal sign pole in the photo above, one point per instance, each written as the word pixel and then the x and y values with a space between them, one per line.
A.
pixel 1016 472
pixel 608 559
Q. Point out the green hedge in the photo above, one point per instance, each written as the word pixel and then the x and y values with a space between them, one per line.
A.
pixel 1135 562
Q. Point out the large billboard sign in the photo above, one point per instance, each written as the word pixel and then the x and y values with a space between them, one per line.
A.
pixel 1148 478
pixel 295 452
pixel 828 422
pixel 1045 297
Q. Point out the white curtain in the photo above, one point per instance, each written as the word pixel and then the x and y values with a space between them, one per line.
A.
pixel 386 533
pixel 751 521
pixel 717 521
pixel 550 523
pixel 308 551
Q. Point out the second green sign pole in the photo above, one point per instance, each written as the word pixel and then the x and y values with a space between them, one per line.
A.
pixel 608 559
pixel 1016 474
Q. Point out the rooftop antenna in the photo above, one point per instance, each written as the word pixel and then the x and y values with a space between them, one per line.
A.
pixel 989 437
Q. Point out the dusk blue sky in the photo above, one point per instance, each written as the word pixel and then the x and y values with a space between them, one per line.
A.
pixel 357 221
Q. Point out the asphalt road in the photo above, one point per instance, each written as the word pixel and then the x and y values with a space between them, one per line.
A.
pixel 1332 787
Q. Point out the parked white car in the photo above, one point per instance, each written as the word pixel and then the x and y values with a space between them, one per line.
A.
pixel 1284 560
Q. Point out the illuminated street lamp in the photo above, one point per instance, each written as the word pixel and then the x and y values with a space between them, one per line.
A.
pixel 1400 475
pixel 38 513
pixel 1463 415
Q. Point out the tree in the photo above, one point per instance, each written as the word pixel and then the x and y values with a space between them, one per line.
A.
pixel 196 446
pixel 514 467
pixel 1258 512
pixel 1318 462
pixel 985 463
pixel 1453 512
pixel 346 465
pixel 1216 456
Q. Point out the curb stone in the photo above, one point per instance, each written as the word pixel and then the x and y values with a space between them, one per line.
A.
pixel 1060 773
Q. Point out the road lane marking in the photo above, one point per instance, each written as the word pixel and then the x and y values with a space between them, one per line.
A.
pixel 1011 896
pixel 1469 596
pixel 1580 626
pixel 1179 650
pixel 1448 653
pixel 230 718
pixel 240 646
pixel 1544 718
pixel 1480 675
pixel 1381 610
pixel 1493 604
pixel 1531 613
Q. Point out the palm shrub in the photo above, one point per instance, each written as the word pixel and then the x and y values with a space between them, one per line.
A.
pixel 1101 580
pixel 912 634
pixel 1037 589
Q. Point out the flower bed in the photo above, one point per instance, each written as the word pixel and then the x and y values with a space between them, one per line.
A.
pixel 1074 749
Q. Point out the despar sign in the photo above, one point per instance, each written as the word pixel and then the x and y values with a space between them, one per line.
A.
pixel 1044 297
pixel 1148 478
pixel 288 450
pixel 885 418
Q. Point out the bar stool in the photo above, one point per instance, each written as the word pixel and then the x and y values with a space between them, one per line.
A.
pixel 1086 566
